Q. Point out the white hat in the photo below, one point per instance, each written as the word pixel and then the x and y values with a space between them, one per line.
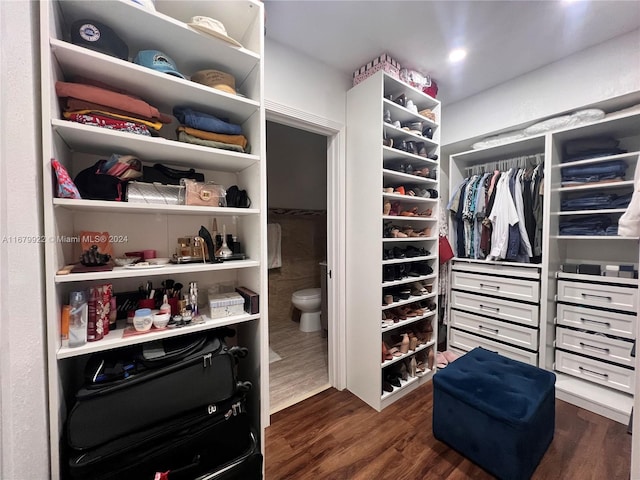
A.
pixel 213 27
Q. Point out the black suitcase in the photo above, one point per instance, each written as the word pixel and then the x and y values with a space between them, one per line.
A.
pixel 217 440
pixel 195 371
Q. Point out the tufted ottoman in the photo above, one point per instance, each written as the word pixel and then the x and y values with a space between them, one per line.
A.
pixel 497 412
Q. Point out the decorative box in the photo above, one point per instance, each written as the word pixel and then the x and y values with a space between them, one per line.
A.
pixel 384 62
pixel 225 304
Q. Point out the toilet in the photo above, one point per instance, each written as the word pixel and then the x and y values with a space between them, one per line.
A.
pixel 309 302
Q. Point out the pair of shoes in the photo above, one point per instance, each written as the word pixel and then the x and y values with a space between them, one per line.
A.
pixel 409 105
pixel 413 127
pixel 400 100
pixel 386 116
pixel 422 172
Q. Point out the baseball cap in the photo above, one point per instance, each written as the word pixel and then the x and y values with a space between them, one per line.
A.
pixel 212 27
pixel 99 37
pixel 156 60
pixel 216 79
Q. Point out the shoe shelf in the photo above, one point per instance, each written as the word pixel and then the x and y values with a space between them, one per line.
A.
pixel 409 239
pixel 409 280
pixel 405 385
pixel 408 321
pixel 116 338
pixel 411 299
pixel 412 259
pixel 410 353
pixel 390 154
pixel 404 115
pixel 377 115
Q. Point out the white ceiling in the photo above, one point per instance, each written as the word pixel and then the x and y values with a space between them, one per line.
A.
pixel 505 39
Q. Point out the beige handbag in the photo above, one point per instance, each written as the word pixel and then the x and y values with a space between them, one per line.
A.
pixel 207 194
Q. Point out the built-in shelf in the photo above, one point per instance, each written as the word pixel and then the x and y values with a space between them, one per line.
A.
pixel 390 153
pixel 593 186
pixel 590 212
pixel 404 356
pixel 170 269
pixel 131 207
pixel 393 176
pixel 631 282
pixel 621 156
pixel 404 115
pixel 411 299
pixel 591 237
pixel 408 321
pixel 407 280
pixel 408 239
pixel 405 260
pixel 115 338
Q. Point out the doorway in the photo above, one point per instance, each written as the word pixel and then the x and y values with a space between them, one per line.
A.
pixel 297 227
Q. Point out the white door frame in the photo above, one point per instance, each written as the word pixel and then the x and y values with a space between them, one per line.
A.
pixel 336 264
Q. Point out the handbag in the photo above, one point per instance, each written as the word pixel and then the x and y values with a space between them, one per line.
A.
pixel 237 198
pixel 94 185
pixel 206 194
pixel 159 173
pixel 445 252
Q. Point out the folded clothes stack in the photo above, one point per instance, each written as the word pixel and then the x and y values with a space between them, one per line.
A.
pixel 595 225
pixel 207 130
pixel 610 171
pixel 596 201
pixel 94 103
pixel 593 147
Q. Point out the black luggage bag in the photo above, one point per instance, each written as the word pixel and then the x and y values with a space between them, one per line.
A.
pixel 213 443
pixel 182 374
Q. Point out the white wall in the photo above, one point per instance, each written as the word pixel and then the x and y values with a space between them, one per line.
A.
pixel 296 168
pixel 604 71
pixel 23 420
pixel 293 80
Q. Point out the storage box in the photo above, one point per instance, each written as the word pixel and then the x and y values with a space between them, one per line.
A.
pixel 384 62
pixel 251 300
pixel 225 305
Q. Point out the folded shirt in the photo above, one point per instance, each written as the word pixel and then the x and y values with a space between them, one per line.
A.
pixel 204 121
pixel 108 98
pixel 216 137
pixel 185 137
pixel 154 125
pixel 110 123
pixel 74 104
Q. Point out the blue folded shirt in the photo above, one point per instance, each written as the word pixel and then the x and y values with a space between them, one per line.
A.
pixel 203 121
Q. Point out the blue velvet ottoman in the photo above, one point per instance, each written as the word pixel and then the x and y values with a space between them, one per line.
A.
pixel 497 412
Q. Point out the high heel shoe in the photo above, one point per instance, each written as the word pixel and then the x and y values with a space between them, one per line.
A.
pixel 386 208
pixel 401 100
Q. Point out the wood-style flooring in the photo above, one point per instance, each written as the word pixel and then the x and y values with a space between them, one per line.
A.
pixel 302 372
pixel 336 436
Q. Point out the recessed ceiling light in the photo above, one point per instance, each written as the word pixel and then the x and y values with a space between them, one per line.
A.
pixel 457 55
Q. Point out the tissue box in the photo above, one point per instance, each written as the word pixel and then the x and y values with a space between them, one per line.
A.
pixel 225 305
pixel 384 62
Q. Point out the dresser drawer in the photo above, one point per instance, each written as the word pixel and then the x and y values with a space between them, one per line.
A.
pixel 466 342
pixel 595 345
pixel 504 269
pixel 598 295
pixel 523 313
pixel 516 335
pixel 611 323
pixel 511 288
pixel 613 376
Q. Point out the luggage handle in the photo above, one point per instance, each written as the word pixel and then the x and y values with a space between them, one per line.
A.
pixel 239 352
pixel 244 387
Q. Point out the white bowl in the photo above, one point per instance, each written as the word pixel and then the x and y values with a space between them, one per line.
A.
pixel 160 320
pixel 122 261
pixel 159 261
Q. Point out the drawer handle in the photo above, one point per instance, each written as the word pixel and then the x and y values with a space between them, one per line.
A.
pixel 486 285
pixel 592 372
pixel 606 297
pixel 485 307
pixel 597 322
pixel 494 330
pixel 602 349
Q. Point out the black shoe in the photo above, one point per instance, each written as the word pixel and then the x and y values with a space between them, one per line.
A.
pixel 401 100
pixel 427 132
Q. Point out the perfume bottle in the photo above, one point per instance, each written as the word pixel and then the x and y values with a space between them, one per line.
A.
pixel 224 251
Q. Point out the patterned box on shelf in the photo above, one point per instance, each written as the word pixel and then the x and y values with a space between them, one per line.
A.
pixel 384 62
pixel 225 305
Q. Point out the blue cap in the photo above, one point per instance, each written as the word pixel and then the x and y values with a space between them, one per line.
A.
pixel 158 61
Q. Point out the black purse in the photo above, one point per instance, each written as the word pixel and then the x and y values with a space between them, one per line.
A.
pixel 237 198
pixel 169 176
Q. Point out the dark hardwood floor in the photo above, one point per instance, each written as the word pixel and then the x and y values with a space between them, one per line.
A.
pixel 336 436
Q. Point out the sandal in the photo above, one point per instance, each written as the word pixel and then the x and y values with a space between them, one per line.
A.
pixel 409 213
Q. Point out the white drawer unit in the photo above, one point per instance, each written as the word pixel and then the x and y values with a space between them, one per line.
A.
pixel 600 321
pixel 522 313
pixel 495 329
pixel 613 376
pixel 466 342
pixel 506 287
pixel 595 345
pixel 598 295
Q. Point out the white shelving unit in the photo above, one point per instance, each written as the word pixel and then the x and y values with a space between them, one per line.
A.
pixel 148 226
pixel 561 249
pixel 371 166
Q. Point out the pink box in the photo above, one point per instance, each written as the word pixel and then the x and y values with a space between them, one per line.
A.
pixel 384 62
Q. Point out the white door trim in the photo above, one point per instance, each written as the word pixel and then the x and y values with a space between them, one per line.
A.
pixel 336 179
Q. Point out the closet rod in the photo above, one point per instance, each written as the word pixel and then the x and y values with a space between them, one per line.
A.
pixel 524 161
